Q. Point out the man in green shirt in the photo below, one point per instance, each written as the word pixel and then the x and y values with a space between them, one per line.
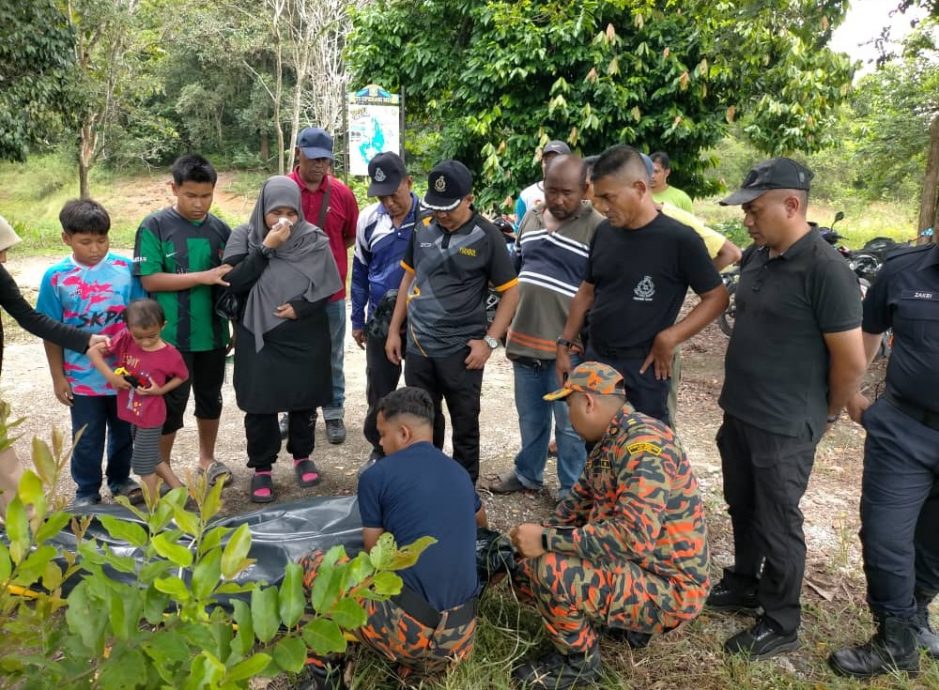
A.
pixel 178 256
pixel 661 191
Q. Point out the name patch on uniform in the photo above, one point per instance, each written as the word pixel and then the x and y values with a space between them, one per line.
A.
pixel 644 447
pixel 468 251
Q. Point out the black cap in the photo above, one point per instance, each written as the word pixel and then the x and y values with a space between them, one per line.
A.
pixel 315 142
pixel 447 184
pixel 556 146
pixel 776 173
pixel 385 170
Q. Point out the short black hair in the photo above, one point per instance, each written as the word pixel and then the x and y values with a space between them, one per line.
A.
pixel 662 159
pixel 589 162
pixel 84 216
pixel 144 313
pixel 408 400
pixel 616 159
pixel 193 168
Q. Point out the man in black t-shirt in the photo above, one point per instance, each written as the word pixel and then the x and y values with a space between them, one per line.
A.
pixel 449 266
pixel 795 358
pixel 640 267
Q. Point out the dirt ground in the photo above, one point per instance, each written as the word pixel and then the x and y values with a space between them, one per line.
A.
pixel 834 579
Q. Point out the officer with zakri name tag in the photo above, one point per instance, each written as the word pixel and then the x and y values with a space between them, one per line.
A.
pixel 900 485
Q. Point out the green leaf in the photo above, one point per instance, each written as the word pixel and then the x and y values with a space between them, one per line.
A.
pixel 123 671
pixel 188 522
pixel 348 614
pixel 407 556
pixel 292 601
pixel 172 551
pixel 383 551
pixel 387 584
pixel 248 668
pixel 32 568
pixel 324 637
pixel 51 577
pixel 17 527
pixel 212 539
pixel 290 654
pixel 206 574
pixel 86 618
pixel 30 489
pixel 55 523
pixel 205 671
pixel 233 557
pixel 6 565
pixel 173 586
pixel 236 587
pixel 213 501
pixel 155 604
pixel 167 647
pixel 359 568
pixel 43 461
pixel 264 613
pixel 244 639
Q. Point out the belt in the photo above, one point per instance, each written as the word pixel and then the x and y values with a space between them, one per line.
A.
pixel 533 363
pixel 419 609
pixel 925 417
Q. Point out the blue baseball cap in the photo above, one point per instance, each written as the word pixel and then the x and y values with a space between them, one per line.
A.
pixel 315 142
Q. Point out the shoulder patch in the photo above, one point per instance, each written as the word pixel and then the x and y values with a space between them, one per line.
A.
pixel 644 447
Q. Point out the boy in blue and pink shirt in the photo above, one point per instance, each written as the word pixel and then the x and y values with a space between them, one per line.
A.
pixel 90 290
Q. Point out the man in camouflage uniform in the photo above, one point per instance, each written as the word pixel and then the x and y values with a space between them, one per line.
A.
pixel 627 550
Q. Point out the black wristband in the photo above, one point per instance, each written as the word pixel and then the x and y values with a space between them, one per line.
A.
pixel 544 540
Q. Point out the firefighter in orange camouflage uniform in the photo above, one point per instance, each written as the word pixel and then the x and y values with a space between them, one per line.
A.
pixel 626 553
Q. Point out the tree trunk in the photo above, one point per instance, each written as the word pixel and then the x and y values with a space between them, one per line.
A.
pixel 278 94
pixel 88 142
pixel 295 115
pixel 927 204
pixel 265 148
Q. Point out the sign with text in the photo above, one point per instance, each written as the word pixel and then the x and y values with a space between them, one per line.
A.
pixel 374 126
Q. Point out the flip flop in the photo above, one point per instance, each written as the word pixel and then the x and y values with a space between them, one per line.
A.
pixel 215 472
pixel 262 487
pixel 307 474
pixel 130 489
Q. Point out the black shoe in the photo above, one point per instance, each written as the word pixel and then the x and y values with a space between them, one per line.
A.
pixel 335 431
pixel 284 425
pixel 926 637
pixel 633 639
pixel 559 671
pixel 892 648
pixel 727 597
pixel 761 642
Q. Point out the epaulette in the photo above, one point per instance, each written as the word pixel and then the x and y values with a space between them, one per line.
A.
pixel 903 251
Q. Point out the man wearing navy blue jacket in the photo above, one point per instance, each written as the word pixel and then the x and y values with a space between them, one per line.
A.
pixel 382 236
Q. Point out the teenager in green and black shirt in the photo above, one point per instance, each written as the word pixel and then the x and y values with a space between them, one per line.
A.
pixel 178 256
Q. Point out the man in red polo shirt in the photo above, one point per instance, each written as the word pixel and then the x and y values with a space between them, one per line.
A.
pixel 330 205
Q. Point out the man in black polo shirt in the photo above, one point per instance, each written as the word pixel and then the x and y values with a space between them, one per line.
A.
pixel 449 266
pixel 640 267
pixel 900 488
pixel 794 360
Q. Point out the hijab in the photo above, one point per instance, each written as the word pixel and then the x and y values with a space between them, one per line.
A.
pixel 303 267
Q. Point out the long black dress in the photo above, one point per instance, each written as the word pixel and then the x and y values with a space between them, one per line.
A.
pixel 11 299
pixel 292 371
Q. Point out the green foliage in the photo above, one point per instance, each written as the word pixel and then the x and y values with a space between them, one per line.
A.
pixel 167 628
pixel 495 80
pixel 36 71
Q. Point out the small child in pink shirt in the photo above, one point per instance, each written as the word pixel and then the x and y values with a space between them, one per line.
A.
pixel 145 369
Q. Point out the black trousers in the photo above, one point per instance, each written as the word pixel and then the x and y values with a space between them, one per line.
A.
pixel 643 391
pixel 263 435
pixel 447 378
pixel 765 476
pixel 899 510
pixel 381 377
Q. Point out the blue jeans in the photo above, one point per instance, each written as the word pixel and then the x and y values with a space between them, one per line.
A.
pixel 534 423
pixel 98 415
pixel 336 311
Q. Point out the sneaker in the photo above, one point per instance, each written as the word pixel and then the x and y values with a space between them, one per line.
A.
pixel 507 483
pixel 559 671
pixel 727 597
pixel 85 501
pixel 335 431
pixel 284 425
pixel 761 642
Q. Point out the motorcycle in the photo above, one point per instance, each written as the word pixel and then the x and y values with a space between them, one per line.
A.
pixel 725 321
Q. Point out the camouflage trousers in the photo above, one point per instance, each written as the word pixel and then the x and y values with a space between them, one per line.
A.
pixel 577 599
pixel 401 638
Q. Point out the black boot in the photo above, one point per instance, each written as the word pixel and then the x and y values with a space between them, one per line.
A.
pixel 926 637
pixel 893 648
pixel 556 671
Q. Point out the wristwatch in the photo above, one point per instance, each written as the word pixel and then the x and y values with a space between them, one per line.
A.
pixel 544 539
pixel 491 342
pixel 564 342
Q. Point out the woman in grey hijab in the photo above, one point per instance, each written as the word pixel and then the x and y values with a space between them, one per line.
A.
pixel 284 274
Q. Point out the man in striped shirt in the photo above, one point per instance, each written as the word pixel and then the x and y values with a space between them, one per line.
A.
pixel 554 243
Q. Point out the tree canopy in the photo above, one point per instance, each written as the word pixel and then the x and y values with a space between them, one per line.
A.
pixel 497 79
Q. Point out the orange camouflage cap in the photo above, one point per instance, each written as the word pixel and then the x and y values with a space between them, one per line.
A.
pixel 590 377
